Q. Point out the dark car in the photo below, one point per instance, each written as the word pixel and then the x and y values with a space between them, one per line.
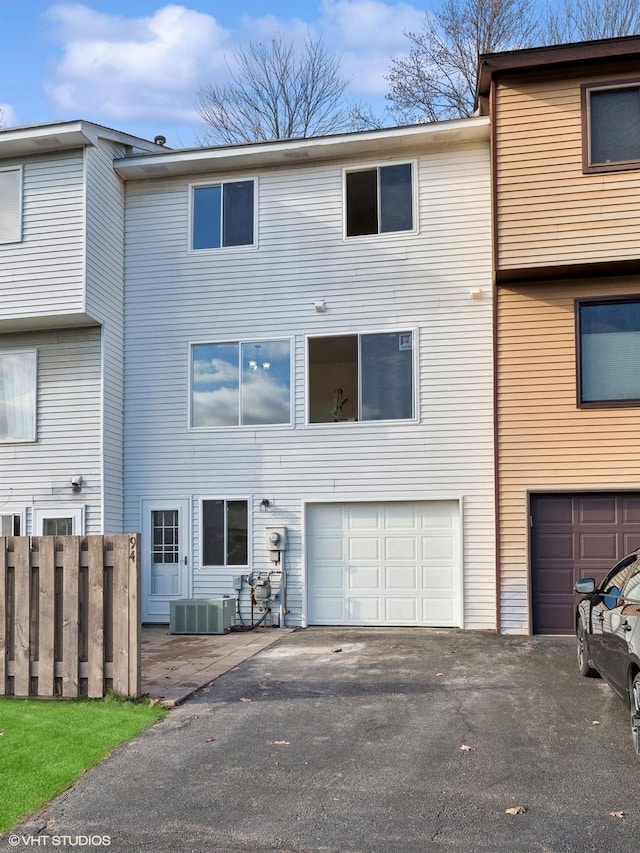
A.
pixel 608 633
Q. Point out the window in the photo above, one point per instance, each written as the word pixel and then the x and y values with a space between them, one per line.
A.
pixel 245 383
pixel 224 533
pixel 222 215
pixel 613 122
pixel 365 377
pixel 10 525
pixel 17 395
pixel 609 351
pixel 63 520
pixel 10 205
pixel 379 201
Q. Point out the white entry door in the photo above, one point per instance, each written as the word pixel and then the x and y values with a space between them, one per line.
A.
pixel 165 556
pixel 391 563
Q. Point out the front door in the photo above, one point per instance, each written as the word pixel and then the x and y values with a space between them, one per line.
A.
pixel 165 556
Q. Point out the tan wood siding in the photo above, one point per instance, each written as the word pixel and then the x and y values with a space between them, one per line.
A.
pixel 547 211
pixel 545 442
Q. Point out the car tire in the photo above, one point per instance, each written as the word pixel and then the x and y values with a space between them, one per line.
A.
pixel 635 712
pixel 583 661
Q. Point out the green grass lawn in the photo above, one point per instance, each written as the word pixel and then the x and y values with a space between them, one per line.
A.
pixel 46 745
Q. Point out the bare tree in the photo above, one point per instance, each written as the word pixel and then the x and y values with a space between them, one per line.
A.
pixel 276 91
pixel 437 80
pixel 592 19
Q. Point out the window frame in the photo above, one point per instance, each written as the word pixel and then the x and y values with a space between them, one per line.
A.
pixel 33 437
pixel 588 167
pixel 220 183
pixel 74 511
pixel 377 166
pixel 20 225
pixel 240 426
pixel 597 404
pixel 415 362
pixel 236 567
pixel 20 516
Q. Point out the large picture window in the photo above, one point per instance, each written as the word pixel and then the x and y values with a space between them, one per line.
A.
pixel 380 200
pixel 241 383
pixel 224 533
pixel 613 126
pixel 18 395
pixel 366 377
pixel 222 215
pixel 10 205
pixel 609 351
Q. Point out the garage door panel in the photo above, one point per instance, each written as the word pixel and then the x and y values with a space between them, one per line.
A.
pixel 631 511
pixel 603 546
pixel 363 548
pixel 597 510
pixel 400 548
pixel 400 564
pixel 401 578
pixel 437 548
pixel 554 546
pixel 364 578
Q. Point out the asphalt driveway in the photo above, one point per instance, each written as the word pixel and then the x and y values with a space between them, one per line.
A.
pixel 373 741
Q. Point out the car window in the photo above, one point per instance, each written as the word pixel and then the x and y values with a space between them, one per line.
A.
pixel 612 585
pixel 631 589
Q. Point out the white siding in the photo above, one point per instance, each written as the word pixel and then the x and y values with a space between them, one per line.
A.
pixel 105 301
pixel 43 274
pixel 68 428
pixel 383 283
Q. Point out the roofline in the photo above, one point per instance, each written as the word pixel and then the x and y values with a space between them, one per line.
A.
pixel 554 56
pixel 375 143
pixel 61 136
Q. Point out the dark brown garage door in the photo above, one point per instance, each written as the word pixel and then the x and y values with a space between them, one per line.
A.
pixel 572 537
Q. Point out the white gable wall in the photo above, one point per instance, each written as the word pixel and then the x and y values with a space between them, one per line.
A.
pixel 386 283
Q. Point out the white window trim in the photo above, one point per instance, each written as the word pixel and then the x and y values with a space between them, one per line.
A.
pixel 219 183
pixel 239 426
pixel 20 171
pixel 372 423
pixel 368 167
pixel 21 515
pixel 236 569
pixel 73 511
pixel 34 431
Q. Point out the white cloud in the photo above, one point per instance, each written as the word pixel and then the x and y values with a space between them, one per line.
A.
pixel 142 69
pixel 8 116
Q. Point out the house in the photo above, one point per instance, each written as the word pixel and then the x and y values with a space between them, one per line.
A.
pixel 308 376
pixel 566 224
pixel 61 328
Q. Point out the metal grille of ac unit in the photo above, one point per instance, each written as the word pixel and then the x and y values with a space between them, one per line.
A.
pixel 201 615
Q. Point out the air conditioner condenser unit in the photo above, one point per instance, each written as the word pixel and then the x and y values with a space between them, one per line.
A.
pixel 202 615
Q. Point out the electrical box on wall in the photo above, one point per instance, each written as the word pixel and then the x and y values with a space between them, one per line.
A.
pixel 275 542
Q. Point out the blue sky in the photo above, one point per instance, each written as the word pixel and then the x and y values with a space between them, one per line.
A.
pixel 137 65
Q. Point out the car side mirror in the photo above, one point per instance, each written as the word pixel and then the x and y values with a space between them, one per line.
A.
pixel 586 586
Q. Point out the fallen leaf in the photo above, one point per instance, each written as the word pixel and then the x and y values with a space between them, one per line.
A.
pixel 282 742
pixel 439 674
pixel 616 814
pixel 210 739
pixel 595 722
pixel 245 700
pixel 465 748
pixel 516 810
pixel 335 651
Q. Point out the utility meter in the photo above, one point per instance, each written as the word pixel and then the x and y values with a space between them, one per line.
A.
pixel 275 541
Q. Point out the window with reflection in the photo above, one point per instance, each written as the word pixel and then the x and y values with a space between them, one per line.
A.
pixel 224 533
pixel 241 383
pixel 609 351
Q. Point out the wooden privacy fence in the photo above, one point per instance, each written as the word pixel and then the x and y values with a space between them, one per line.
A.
pixel 69 615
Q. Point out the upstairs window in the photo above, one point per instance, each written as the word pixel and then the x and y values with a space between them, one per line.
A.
pixel 361 378
pixel 609 352
pixel 241 383
pixel 225 533
pixel 380 200
pixel 10 205
pixel 222 215
pixel 613 123
pixel 17 396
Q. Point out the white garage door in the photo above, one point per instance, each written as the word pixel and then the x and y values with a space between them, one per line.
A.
pixel 384 564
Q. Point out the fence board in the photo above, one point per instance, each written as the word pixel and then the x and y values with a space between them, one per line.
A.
pixel 95 622
pixel 3 615
pixel 46 621
pixel 120 605
pixel 22 610
pixel 71 551
pixel 135 621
